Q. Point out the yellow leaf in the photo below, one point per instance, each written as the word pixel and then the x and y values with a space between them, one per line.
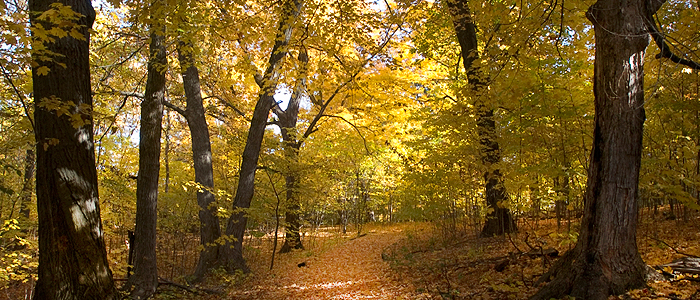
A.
pixel 43 71
pixel 77 35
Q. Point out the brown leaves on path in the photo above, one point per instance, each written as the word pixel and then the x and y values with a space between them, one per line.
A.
pixel 352 269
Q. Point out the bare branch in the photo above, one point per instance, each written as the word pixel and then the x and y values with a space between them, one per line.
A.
pixel 119 109
pixel 229 105
pixel 175 108
pixel 318 116
pixel 19 96
pixel 660 39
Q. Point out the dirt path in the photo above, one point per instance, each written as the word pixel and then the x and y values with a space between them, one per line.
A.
pixel 353 269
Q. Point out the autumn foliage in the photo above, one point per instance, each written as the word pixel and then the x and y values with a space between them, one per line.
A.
pixel 388 146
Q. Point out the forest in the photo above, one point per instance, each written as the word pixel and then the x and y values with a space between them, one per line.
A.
pixel 383 149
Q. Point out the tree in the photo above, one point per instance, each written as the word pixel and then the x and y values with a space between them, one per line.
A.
pixel 210 231
pixel 291 144
pixel 500 219
pixel 232 257
pixel 72 256
pixel 145 278
pixel 605 259
pixel 27 186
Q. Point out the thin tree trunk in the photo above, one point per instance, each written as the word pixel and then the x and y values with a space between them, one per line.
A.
pixel 145 278
pixel 72 255
pixel 500 220
pixel 605 259
pixel 166 152
pixel 28 185
pixel 210 230
pixel 232 257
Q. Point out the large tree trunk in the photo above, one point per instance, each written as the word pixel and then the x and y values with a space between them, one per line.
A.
pixel 500 220
pixel 210 231
pixel 232 256
pixel 605 259
pixel 145 277
pixel 72 257
pixel 290 141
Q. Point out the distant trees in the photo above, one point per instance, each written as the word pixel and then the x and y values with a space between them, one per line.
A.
pixel 72 257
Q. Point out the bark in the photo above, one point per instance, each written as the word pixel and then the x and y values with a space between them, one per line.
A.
pixel 292 236
pixel 500 220
pixel 561 205
pixel 28 185
pixel 605 259
pixel 288 125
pixel 145 278
pixel 232 256
pixel 166 152
pixel 210 231
pixel 72 257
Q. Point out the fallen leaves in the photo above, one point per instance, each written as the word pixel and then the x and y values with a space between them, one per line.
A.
pixel 351 269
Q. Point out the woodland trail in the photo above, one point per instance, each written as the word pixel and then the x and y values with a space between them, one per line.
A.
pixel 353 269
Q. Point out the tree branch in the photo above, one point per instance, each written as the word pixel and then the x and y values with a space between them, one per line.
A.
pixel 229 105
pixel 19 96
pixel 318 116
pixel 176 108
pixel 276 109
pixel 121 106
pixel 364 141
pixel 258 76
pixel 660 39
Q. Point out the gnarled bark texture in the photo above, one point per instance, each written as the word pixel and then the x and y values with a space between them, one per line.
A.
pixel 72 257
pixel 210 230
pixel 232 250
pixel 500 220
pixel 605 260
pixel 145 278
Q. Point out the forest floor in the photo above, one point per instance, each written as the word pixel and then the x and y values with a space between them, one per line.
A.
pixel 345 268
pixel 425 261
pixel 443 261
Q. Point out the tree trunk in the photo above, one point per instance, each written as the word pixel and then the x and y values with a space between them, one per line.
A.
pixel 561 204
pixel 28 185
pixel 288 125
pixel 605 259
pixel 210 231
pixel 166 151
pixel 145 277
pixel 499 220
pixel 232 255
pixel 72 257
pixel 292 236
